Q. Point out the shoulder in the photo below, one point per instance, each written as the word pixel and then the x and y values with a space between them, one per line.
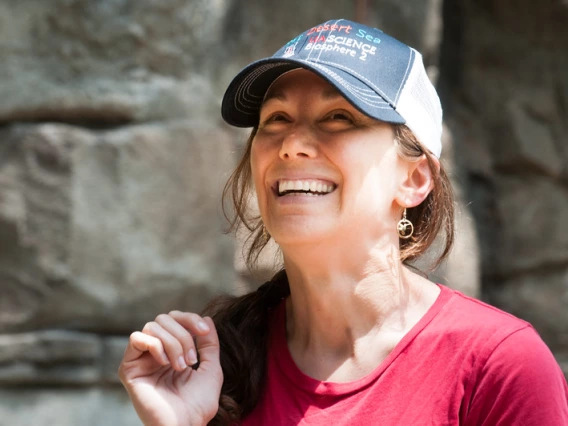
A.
pixel 520 382
pixel 498 340
pixel 470 308
pixel 514 379
pixel 483 325
pixel 471 325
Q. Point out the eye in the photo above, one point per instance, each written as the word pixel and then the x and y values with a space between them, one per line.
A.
pixel 339 116
pixel 338 120
pixel 275 119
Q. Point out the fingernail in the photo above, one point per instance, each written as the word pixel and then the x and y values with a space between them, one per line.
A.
pixel 202 325
pixel 181 362
pixel 192 356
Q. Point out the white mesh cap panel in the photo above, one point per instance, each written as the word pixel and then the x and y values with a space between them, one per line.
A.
pixel 420 106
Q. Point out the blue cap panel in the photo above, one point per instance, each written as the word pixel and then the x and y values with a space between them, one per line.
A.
pixel 367 66
pixel 378 60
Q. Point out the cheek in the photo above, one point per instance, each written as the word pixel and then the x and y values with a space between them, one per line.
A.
pixel 365 164
pixel 263 153
pixel 258 171
pixel 372 178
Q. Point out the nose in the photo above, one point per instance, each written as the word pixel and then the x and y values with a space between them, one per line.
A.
pixel 298 144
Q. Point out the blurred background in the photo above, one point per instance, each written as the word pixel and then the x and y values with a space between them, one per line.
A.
pixel 113 157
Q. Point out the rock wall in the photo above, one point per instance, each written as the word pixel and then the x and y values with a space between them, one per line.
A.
pixel 504 83
pixel 112 160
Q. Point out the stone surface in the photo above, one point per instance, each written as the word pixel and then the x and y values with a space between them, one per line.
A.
pixel 44 406
pixel 60 357
pixel 49 347
pixel 416 23
pixel 533 230
pixel 527 140
pixel 107 62
pixel 54 375
pixel 104 229
pixel 503 81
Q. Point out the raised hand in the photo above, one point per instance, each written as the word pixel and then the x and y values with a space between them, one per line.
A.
pixel 156 370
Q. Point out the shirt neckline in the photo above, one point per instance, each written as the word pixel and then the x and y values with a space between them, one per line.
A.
pixel 290 370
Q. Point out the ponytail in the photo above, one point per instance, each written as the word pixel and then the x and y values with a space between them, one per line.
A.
pixel 242 324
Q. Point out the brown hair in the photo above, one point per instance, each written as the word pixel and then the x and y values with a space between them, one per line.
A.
pixel 242 322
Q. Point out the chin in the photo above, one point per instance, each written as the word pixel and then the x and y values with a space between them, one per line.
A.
pixel 301 234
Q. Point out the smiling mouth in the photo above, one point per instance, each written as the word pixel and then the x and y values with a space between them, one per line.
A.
pixel 305 187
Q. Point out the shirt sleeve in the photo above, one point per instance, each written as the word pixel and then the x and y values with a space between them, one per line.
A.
pixel 520 384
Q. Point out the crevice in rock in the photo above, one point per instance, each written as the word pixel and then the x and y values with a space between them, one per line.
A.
pixel 86 119
pixel 451 51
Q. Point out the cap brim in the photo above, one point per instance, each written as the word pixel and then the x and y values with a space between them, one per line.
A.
pixel 245 94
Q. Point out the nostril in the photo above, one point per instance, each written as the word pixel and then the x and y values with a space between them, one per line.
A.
pixel 294 153
pixel 298 144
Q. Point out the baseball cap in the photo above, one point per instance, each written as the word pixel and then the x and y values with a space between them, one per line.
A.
pixel 379 75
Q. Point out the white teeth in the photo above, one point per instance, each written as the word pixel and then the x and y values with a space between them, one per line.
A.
pixel 314 187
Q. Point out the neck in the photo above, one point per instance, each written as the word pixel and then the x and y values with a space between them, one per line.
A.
pixel 344 305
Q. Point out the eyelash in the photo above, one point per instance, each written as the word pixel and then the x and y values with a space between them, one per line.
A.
pixel 343 116
pixel 277 117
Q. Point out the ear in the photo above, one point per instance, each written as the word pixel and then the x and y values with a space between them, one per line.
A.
pixel 418 183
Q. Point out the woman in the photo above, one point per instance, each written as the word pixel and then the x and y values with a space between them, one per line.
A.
pixel 343 157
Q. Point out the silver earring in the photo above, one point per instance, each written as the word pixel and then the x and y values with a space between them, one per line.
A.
pixel 405 227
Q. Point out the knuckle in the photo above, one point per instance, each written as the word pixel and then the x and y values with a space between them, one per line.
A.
pixel 147 327
pixel 193 317
pixel 162 318
pixel 121 373
pixel 165 339
pixel 124 379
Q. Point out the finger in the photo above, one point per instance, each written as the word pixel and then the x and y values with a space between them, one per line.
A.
pixel 172 346
pixel 208 346
pixel 141 343
pixel 191 322
pixel 173 327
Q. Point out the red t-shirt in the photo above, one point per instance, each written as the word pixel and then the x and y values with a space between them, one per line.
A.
pixel 463 363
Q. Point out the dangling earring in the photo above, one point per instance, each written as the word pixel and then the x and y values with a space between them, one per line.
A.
pixel 405 227
pixel 265 234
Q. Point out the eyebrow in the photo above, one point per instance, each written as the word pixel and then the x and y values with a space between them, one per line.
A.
pixel 328 94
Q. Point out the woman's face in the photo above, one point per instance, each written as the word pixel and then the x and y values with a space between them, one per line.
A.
pixel 321 168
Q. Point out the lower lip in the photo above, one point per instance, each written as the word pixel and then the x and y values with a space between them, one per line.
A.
pixel 300 198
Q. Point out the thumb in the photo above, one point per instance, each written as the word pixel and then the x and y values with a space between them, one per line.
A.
pixel 208 345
